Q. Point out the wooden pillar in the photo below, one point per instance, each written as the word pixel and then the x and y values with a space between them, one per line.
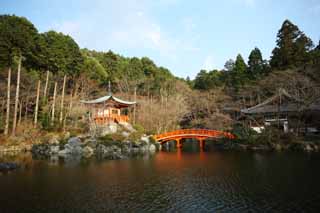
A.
pixel 201 143
pixel 179 144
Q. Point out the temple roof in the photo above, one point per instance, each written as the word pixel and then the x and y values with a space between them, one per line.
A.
pixel 292 105
pixel 109 98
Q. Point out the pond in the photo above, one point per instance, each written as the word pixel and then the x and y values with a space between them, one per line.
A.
pixel 181 181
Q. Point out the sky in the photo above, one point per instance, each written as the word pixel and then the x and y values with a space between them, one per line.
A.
pixel 184 36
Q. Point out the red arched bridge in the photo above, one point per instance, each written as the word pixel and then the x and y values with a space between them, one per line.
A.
pixel 199 134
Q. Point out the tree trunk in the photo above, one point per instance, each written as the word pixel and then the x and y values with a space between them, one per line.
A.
pixel 26 109
pixel 62 99
pixel 6 128
pixel 54 102
pixel 37 104
pixel 46 86
pixel 68 113
pixel 20 112
pixel 134 106
pixel 17 99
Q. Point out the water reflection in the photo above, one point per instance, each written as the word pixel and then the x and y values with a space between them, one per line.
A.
pixel 183 181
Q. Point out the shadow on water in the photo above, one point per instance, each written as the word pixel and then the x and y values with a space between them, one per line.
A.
pixel 186 180
pixel 192 145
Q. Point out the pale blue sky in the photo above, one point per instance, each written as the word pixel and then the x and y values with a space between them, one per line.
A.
pixel 182 35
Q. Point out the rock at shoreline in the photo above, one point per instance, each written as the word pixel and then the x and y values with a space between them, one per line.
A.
pixel 73 147
pixel 109 152
pixel 87 152
pixel 152 148
pixel 6 167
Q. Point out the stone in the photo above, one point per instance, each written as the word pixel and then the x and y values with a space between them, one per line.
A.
pixel 277 147
pixel 145 139
pixel 152 148
pixel 53 140
pixel 54 149
pixel 308 148
pixel 6 167
pixel 87 151
pixel 125 134
pixel 66 136
pixel 127 126
pixel 91 142
pixel 111 128
pixel 63 153
pixel 109 152
pixel 74 141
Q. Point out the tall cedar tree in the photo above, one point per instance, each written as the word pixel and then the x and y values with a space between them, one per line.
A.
pixel 293 48
pixel 255 63
pixel 239 73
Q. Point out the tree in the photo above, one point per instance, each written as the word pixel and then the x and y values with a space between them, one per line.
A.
pixel 200 81
pixel 94 70
pixel 60 54
pixel 293 47
pixel 229 65
pixel 316 54
pixel 13 43
pixel 255 63
pixel 239 73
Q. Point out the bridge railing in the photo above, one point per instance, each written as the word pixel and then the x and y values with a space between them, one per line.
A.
pixel 195 132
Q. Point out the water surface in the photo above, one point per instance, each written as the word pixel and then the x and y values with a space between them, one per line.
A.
pixel 166 182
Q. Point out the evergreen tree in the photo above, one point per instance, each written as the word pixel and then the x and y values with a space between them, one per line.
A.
pixel 18 37
pixel 229 65
pixel 316 54
pixel 239 74
pixel 255 64
pixel 60 53
pixel 293 47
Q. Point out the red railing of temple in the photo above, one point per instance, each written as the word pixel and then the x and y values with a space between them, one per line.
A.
pixel 111 118
pixel 193 133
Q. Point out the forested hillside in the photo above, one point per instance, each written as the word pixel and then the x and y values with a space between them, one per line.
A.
pixel 45 75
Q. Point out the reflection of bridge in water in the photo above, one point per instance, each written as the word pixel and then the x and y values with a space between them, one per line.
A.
pixel 200 134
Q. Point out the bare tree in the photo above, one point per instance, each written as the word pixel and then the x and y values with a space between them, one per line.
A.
pixel 6 128
pixel 62 99
pixel 17 98
pixel 46 85
pixel 54 102
pixel 37 104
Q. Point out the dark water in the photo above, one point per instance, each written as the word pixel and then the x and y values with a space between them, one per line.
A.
pixel 167 182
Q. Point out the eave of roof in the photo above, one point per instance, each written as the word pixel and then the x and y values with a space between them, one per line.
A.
pixel 107 98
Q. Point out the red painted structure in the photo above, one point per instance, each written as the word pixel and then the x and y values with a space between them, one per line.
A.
pixel 199 134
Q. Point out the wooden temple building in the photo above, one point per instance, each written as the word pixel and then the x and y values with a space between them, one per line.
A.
pixel 285 112
pixel 108 109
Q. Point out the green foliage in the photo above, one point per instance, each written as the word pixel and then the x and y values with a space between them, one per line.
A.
pixel 244 134
pixel 152 140
pixel 18 37
pixel 208 80
pixel 139 128
pixel 111 139
pixel 60 52
pixel 293 47
pixel 135 136
pixel 94 70
pixel 45 121
pixel 239 73
pixel 257 67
